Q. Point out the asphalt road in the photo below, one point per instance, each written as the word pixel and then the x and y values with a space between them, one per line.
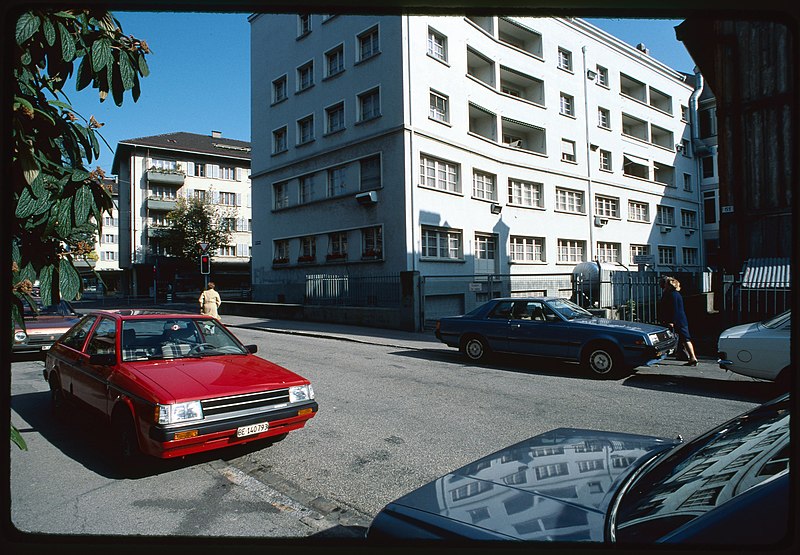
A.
pixel 391 418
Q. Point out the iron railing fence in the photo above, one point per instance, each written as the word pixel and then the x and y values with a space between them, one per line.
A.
pixel 362 291
pixel 751 302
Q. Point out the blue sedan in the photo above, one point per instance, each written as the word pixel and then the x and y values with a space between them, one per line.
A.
pixel 556 328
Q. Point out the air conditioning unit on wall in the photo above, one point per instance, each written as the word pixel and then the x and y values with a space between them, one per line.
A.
pixel 370 197
pixel 600 222
pixel 665 229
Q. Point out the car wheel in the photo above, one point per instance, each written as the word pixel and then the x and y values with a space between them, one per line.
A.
pixel 58 397
pixel 125 445
pixel 603 361
pixel 475 348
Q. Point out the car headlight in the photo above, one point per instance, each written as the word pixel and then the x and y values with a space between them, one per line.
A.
pixel 653 337
pixel 299 393
pixel 20 336
pixel 179 412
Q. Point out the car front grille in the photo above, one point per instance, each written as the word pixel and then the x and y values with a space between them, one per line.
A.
pixel 251 402
pixel 665 335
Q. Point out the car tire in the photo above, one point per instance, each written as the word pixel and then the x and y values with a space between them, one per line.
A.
pixel 474 348
pixel 125 445
pixel 603 361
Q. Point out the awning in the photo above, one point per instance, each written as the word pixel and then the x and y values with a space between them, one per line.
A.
pixel 767 273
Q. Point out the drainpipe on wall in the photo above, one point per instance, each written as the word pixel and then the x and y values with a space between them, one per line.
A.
pixel 694 124
pixel 589 203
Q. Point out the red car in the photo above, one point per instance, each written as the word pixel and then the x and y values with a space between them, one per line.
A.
pixel 174 384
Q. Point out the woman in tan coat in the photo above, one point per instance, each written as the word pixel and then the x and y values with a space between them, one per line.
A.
pixel 209 301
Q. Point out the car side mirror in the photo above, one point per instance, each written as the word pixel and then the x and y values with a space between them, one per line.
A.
pixel 251 348
pixel 103 359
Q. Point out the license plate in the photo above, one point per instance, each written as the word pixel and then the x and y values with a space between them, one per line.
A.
pixel 45 347
pixel 252 429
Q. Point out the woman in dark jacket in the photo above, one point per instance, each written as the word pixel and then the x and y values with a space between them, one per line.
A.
pixel 673 315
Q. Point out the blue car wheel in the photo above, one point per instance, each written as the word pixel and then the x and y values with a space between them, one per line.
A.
pixel 474 348
pixel 603 360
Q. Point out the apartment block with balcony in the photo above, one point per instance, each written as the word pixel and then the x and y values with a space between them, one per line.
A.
pixel 153 172
pixel 468 146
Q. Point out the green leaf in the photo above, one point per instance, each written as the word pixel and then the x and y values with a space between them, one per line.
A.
pixel 80 175
pixel 69 281
pixel 49 31
pixel 83 204
pixel 126 72
pixel 64 217
pixel 26 205
pixel 16 437
pixel 67 43
pixel 84 74
pixel 101 54
pixel 27 25
pixel 46 284
pixel 143 69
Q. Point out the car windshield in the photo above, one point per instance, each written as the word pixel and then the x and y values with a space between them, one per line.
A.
pixel 568 309
pixel 162 338
pixel 704 474
pixel 778 321
pixel 61 308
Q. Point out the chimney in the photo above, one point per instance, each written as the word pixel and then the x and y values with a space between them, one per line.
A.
pixel 216 134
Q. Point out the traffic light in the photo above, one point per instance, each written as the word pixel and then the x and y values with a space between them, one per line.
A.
pixel 205 264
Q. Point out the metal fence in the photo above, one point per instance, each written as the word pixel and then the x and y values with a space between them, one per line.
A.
pixel 751 302
pixel 344 290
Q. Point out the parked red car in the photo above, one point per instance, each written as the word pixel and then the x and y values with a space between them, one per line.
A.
pixel 174 384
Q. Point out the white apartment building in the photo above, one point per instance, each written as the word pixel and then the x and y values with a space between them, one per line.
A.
pixel 454 145
pixel 153 172
pixel 107 247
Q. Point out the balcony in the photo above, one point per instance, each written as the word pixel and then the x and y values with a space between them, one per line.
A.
pixel 167 177
pixel 160 203
pixel 155 231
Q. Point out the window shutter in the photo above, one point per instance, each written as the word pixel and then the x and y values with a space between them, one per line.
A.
pixel 214 170
pixel 247 199
pixel 190 168
pixel 189 194
pixel 238 199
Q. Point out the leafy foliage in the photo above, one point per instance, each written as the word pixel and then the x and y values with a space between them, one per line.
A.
pixel 57 200
pixel 194 220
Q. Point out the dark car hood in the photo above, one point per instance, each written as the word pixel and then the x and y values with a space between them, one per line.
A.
pixel 44 322
pixel 216 376
pixel 552 487
pixel 618 324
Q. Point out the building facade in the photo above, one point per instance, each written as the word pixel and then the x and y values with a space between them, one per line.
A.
pixel 466 146
pixel 153 172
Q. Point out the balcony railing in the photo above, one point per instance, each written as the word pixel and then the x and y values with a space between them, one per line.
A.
pixel 169 177
pixel 161 203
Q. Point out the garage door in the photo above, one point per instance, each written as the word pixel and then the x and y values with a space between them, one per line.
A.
pixel 438 306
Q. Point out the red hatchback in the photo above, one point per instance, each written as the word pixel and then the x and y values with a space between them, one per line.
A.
pixel 174 384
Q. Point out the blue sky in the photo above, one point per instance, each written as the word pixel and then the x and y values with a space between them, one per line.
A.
pixel 200 74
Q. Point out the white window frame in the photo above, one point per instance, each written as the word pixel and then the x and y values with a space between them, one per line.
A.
pixel 638 250
pixel 570 201
pixel 305 130
pixel 439 174
pixel 566 105
pixel 571 251
pixel 484 185
pixel 334 61
pixel 439 107
pixel 368 44
pixel 667 255
pixel 564 59
pixel 606 207
pixel 334 118
pixel 638 211
pixel 441 243
pixel 369 104
pixel 608 252
pixel 437 45
pixel 523 249
pixel 525 193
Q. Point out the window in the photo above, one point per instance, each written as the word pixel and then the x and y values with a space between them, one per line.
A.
pixel 370 173
pixel 103 340
pixel 305 76
pixel 199 170
pixel 568 200
pixel 201 195
pixel 337 245
pixel 708 166
pixel 306 188
pixel 109 239
pixel 525 193
pixel 689 219
pixel 483 186
pixel 228 199
pixel 369 105
pixel 439 110
pixel 607 207
pixel 305 130
pixel 638 211
pixel 608 252
pixel 526 249
pixel 437 45
pixel 485 247
pixel 439 174
pixel 567 105
pixel 280 253
pixel 308 249
pixel 334 61
pixel 163 192
pixel 666 256
pixel 685 148
pixel 567 150
pixel 687 182
pixel 635 167
pixel 368 45
pixel 639 250
pixel 226 250
pixel 229 224
pixel 281 195
pixel 604 118
pixel 709 207
pixel 441 244
pixel 564 59
pixel 605 160
pixel 372 242
pixel 167 165
pixel 690 256
pixel 337 181
pixel 279 89
pixel 279 141
pixel 684 113
pixel 334 118
pixel 665 215
pixel 571 251
pixel 227 172
pixel 303 24
pixel 602 76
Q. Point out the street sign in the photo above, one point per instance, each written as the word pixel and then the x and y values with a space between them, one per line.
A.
pixel 203 247
pixel 644 259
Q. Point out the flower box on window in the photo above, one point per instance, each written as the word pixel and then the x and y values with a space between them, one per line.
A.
pixel 370 254
pixel 336 256
pixel 305 259
pixel 280 260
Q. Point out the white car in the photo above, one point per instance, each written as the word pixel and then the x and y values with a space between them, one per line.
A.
pixel 759 350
